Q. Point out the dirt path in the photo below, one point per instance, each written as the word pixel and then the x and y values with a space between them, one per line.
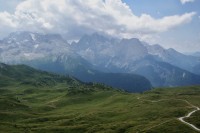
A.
pixel 189 114
pixel 181 118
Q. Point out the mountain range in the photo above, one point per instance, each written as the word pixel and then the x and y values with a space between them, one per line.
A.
pixel 123 63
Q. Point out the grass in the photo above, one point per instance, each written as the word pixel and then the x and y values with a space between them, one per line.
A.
pixel 94 108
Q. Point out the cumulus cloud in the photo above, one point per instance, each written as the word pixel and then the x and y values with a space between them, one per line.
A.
pixel 73 18
pixel 186 1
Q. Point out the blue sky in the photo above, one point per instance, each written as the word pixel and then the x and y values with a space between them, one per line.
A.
pixel 160 8
pixel 184 38
pixel 9 5
pixel 170 23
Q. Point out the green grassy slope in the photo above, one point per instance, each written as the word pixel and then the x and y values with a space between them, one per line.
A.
pixel 62 108
pixel 70 106
pixel 21 74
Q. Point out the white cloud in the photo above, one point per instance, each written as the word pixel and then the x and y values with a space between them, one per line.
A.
pixel 186 1
pixel 75 18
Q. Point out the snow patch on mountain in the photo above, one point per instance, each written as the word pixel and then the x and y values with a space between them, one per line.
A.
pixel 36 46
pixel 33 36
pixel 27 54
pixel 184 74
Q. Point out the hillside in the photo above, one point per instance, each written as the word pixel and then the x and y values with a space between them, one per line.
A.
pixel 24 75
pixel 31 103
pixel 86 73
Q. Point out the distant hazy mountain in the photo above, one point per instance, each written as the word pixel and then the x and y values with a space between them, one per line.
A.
pixel 173 57
pixel 52 53
pixel 196 54
pixel 196 67
pixel 134 56
pixel 164 74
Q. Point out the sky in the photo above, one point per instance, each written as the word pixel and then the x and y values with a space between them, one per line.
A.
pixel 170 23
